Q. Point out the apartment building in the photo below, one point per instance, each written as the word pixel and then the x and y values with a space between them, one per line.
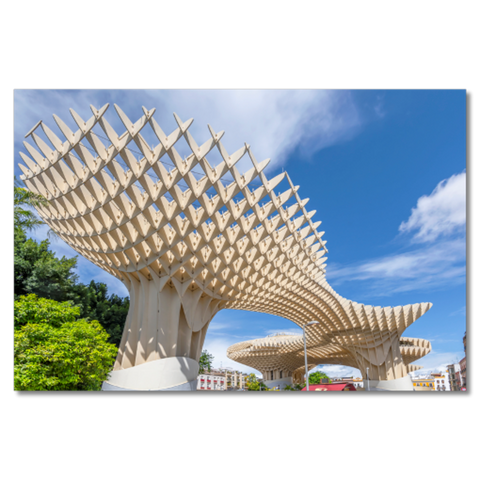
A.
pixel 442 383
pixel 454 377
pixel 222 379
pixel 213 380
pixel 424 384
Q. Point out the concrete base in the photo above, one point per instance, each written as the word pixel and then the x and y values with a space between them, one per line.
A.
pixel 189 386
pixel 173 373
pixel 399 384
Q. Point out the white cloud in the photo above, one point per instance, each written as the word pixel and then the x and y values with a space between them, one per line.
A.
pixel 430 267
pixel 287 331
pixel 440 216
pixel 272 122
pixel 441 213
pixel 338 371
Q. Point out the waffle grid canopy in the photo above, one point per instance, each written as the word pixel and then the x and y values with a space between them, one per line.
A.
pixel 282 356
pixel 189 238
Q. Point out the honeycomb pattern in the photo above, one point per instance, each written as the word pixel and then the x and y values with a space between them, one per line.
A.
pixel 187 225
pixel 285 353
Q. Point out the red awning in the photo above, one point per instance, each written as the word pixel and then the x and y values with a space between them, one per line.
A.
pixel 331 387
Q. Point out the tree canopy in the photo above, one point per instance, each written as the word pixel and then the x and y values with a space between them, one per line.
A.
pixel 110 310
pixel 255 385
pixel 296 386
pixel 315 378
pixel 37 270
pixel 54 350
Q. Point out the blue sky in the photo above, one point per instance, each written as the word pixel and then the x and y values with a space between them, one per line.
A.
pixel 385 171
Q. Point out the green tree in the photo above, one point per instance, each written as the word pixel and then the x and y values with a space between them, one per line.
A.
pixel 111 311
pixel 54 351
pixel 315 378
pixel 205 361
pixel 255 385
pixel 30 309
pixel 37 270
pixel 23 201
pixel 11 351
pixel 296 386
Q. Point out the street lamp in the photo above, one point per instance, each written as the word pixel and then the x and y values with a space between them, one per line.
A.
pixel 305 348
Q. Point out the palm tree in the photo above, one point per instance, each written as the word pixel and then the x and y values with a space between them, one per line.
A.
pixel 24 218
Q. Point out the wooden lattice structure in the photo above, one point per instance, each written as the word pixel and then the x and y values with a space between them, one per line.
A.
pixel 189 238
pixel 279 357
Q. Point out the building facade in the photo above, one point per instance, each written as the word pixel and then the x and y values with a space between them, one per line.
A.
pixel 463 371
pixel 425 384
pixel 235 380
pixel 356 381
pixel 463 363
pixel 442 383
pixel 454 377
pixel 213 380
pixel 222 379
pixel 435 382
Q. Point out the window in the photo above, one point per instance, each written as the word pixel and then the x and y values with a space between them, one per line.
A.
pixel 271 375
pixel 281 374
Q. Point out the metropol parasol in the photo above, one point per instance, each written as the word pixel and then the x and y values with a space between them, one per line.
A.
pixel 189 238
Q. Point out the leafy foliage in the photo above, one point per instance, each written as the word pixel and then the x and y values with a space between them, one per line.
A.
pixel 54 351
pixel 24 218
pixel 75 356
pixel 315 378
pixel 255 385
pixel 205 361
pixel 11 352
pixel 296 386
pixel 37 270
pixel 33 310
pixel 110 311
